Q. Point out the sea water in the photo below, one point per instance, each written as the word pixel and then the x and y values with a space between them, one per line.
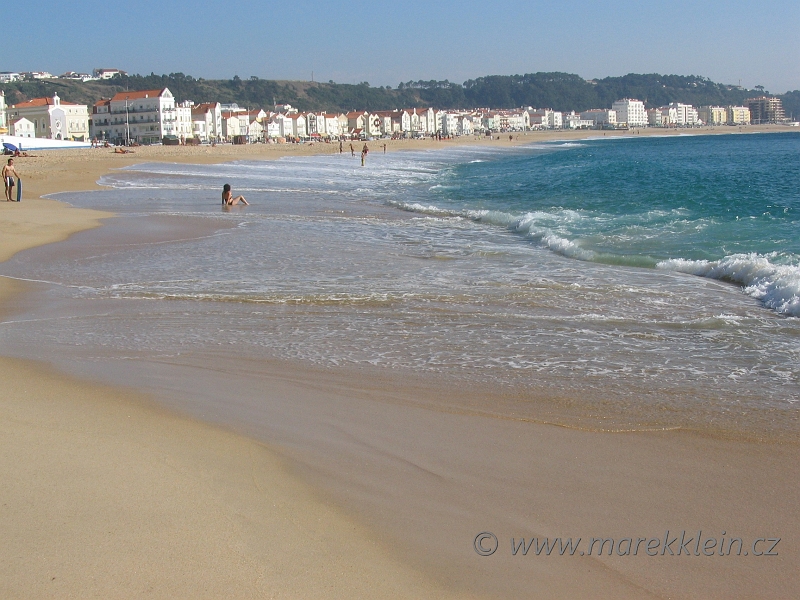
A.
pixel 651 277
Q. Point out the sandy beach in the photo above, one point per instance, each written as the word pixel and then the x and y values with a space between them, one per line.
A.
pixel 113 492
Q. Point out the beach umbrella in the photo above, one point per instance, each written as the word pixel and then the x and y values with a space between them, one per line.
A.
pixel 11 147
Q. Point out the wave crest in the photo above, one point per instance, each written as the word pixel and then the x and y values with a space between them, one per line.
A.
pixel 776 285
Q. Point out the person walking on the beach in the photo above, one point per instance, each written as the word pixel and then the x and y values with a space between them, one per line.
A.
pixel 9 173
pixel 384 148
pixel 228 199
pixel 352 150
pixel 341 147
pixel 364 152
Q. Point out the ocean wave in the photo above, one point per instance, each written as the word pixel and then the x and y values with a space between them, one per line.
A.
pixel 776 285
pixel 530 225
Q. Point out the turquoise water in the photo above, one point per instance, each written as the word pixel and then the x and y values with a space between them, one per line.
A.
pixel 655 279
pixel 722 206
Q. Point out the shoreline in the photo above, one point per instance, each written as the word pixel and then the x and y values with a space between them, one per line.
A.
pixel 632 492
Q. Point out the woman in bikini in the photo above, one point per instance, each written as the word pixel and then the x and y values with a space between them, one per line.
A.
pixel 228 199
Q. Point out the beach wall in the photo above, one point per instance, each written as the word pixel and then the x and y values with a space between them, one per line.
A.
pixel 26 144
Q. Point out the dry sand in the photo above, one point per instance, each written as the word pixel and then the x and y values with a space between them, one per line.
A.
pixel 106 494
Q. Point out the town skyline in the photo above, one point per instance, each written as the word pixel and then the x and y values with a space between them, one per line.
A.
pixel 353 42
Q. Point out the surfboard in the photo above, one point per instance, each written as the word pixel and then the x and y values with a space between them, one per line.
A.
pixel 19 190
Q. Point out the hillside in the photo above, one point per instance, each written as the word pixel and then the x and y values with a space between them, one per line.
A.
pixel 560 91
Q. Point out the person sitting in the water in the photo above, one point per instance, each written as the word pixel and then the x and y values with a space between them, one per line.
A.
pixel 227 196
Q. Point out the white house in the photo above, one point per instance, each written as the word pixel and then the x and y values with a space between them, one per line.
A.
pixel 230 125
pixel 374 125
pixel 207 121
pixel 22 127
pixel 332 125
pixel 630 111
pixel 298 125
pixel 52 118
pixel 272 129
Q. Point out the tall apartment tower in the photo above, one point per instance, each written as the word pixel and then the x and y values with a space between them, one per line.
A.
pixel 765 110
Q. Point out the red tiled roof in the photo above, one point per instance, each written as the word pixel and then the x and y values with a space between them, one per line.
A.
pixel 41 102
pixel 138 95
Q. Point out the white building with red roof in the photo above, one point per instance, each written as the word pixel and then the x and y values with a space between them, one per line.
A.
pixel 53 118
pixel 207 121
pixel 145 116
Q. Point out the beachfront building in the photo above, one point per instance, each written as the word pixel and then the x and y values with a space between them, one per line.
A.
pixel 465 125
pixel 183 120
pixel 3 113
pixel 255 127
pixel 356 121
pixel 544 118
pixel 600 116
pixel 230 125
pixel 100 123
pixel 766 110
pixel 142 117
pixel 515 121
pixel 450 124
pixel 490 121
pixel 207 121
pixel 713 115
pixel 631 112
pixel 22 127
pixel 738 115
pixel 298 122
pixel 419 124
pixel 571 120
pixel 333 126
pixel 656 118
pixel 384 118
pixel 315 124
pixel 53 118
pixel 272 130
pixel 401 121
pixel 685 114
pixel 282 126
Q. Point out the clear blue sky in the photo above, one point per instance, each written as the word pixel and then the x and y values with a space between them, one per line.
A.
pixel 385 43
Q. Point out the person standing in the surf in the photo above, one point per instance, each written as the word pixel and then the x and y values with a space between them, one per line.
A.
pixel 9 173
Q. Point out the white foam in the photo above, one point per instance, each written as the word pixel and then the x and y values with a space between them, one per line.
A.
pixel 776 285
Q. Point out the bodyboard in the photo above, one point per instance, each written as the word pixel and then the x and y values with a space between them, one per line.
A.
pixel 19 190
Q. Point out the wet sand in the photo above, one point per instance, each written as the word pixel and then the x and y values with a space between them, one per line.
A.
pixel 351 483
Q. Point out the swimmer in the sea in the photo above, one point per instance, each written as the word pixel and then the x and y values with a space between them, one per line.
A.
pixel 228 199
